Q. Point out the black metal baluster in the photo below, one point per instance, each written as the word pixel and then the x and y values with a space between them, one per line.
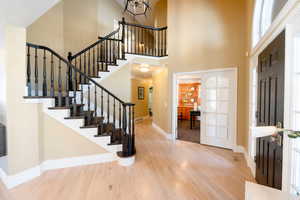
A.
pixel 131 39
pixel 120 115
pixel 94 67
pixel 124 119
pixel 153 43
pixel 123 50
pixel 75 90
pixel 98 58
pixel 89 98
pixel 158 32
pixel 52 77
pixel 133 131
pixel 36 73
pixel 95 103
pixel 75 86
pixel 84 64
pixel 165 53
pixel 80 69
pixel 81 94
pixel 28 72
pixel 135 40
pixel 89 63
pixel 44 75
pixel 59 84
pixel 108 109
pixel 114 51
pixel 114 112
pixel 102 56
pixel 102 111
pixel 129 131
pixel 162 42
pixel 67 84
pixel 106 54
pixel 144 41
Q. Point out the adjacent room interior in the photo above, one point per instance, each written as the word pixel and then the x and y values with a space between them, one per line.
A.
pixel 189 108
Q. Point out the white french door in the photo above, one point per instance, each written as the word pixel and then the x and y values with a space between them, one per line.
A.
pixel 218 120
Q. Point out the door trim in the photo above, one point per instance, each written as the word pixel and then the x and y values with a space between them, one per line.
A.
pixel 175 100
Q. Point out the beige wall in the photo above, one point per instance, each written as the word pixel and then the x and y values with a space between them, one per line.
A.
pixel 119 83
pixel 58 141
pixel 161 110
pixel 2 87
pixel 72 25
pixel 22 118
pixel 160 13
pixel 208 35
pixel 48 29
pixel 141 106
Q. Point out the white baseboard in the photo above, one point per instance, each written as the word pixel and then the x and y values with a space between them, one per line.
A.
pixel 161 131
pixel 250 162
pixel 11 181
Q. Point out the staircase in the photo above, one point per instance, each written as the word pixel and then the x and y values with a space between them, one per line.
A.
pixel 70 89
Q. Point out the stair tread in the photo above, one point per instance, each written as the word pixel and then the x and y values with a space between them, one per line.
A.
pixel 102 135
pixel 115 143
pixel 89 126
pixel 37 97
pixel 64 107
pixel 75 117
pixel 84 113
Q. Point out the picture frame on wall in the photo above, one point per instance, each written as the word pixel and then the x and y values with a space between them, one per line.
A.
pixel 141 93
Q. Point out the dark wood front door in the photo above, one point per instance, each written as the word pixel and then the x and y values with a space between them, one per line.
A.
pixel 270 111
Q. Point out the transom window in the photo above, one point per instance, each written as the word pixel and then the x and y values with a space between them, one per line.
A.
pixel 262 18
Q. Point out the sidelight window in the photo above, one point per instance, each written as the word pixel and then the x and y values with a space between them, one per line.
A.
pixel 295 165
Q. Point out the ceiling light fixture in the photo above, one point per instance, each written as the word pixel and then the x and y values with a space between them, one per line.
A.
pixel 144 68
pixel 137 7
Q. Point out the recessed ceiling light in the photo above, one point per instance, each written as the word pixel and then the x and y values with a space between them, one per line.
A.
pixel 144 69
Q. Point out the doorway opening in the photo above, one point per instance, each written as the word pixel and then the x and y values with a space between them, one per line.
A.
pixel 188 109
pixel 213 107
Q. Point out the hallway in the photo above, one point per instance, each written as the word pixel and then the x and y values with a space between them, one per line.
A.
pixel 163 171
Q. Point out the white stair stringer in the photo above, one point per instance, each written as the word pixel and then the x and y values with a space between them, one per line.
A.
pixel 75 124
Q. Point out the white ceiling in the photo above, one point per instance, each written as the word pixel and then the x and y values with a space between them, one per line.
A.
pixel 148 20
pixel 135 71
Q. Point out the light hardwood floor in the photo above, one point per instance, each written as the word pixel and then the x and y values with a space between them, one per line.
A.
pixel 164 171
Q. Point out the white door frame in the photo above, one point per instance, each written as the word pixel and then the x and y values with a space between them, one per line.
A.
pixel 175 99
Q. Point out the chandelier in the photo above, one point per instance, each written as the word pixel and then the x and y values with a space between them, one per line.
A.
pixel 137 7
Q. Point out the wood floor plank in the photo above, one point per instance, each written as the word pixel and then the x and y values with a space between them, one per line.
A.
pixel 164 170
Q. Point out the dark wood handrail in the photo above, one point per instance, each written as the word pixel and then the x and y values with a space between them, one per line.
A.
pixel 77 70
pixel 94 44
pixel 143 26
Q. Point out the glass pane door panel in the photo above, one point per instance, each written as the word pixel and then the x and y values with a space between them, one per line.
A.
pixel 211 106
pixel 222 107
pixel 211 119
pixel 222 120
pixel 211 82
pixel 223 82
pixel 222 132
pixel 211 94
pixel 223 94
pixel 211 131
